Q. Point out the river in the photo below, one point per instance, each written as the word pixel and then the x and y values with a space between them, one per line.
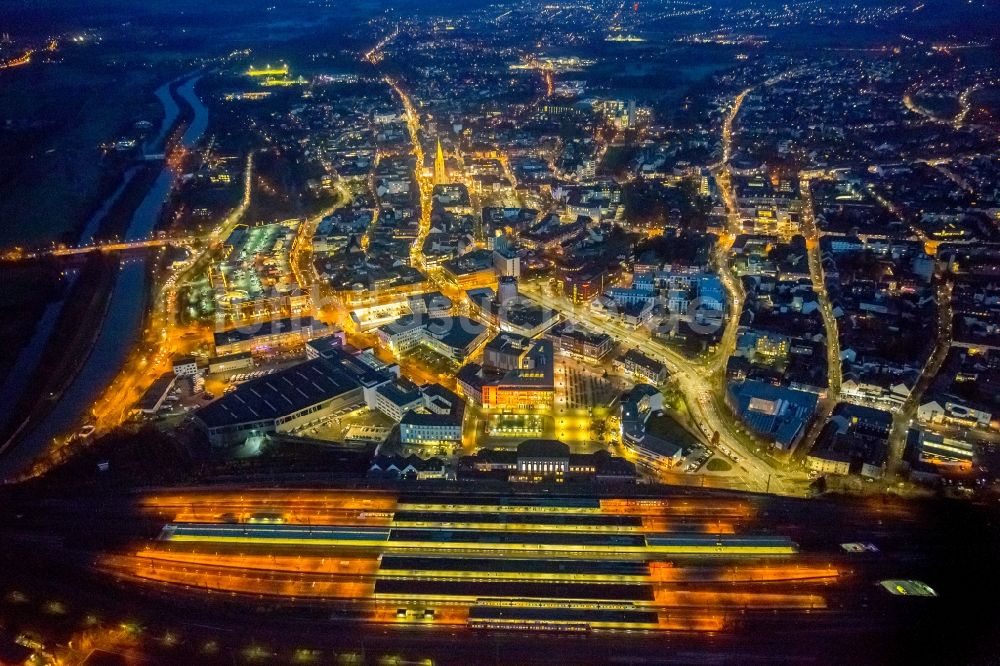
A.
pixel 170 111
pixel 122 323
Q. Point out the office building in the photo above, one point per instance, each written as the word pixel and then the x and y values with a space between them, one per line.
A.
pixel 437 421
pixel 267 336
pixel 575 340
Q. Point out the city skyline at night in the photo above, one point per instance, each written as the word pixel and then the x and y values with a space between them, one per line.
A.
pixel 499 332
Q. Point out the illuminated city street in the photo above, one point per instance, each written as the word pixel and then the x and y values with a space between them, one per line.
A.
pixel 457 333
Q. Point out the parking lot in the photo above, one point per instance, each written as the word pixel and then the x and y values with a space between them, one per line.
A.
pixel 335 427
pixel 432 360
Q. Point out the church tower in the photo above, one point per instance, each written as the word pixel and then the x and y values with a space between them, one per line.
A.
pixel 440 173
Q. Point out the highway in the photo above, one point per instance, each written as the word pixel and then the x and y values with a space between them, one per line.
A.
pixel 164 335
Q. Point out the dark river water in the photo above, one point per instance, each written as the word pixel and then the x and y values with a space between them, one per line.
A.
pixel 121 325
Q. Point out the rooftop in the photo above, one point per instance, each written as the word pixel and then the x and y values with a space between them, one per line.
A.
pixel 536 369
pixel 443 407
pixel 455 332
pixel 473 262
pixel 542 448
pixel 326 344
pixel 263 329
pixel 280 394
pixel 638 358
pixel 429 302
pixel 576 332
pixel 401 392
pixel 508 343
pixel 776 411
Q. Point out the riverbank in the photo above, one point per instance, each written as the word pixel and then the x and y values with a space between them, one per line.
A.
pixel 60 350
pixel 31 300
pixel 28 287
pixel 66 351
pixel 122 188
pixel 74 372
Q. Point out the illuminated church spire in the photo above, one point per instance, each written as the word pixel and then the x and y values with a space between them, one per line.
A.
pixel 440 174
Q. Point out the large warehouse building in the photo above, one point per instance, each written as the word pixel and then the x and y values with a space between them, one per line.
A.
pixel 280 402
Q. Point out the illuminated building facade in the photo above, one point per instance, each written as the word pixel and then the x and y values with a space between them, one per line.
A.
pixel 453 337
pixel 530 387
pixel 537 460
pixel 577 341
pixel 276 334
pixel 396 398
pixel 637 364
pixel 504 352
pixel 471 270
pixel 438 422
pixel 440 170
pixel 588 281
pixel 526 394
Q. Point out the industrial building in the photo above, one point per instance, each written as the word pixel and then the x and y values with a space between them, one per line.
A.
pixel 296 397
pixel 230 362
pixel 280 402
pixel 155 396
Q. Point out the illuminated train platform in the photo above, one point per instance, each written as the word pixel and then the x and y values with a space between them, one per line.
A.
pixel 476 539
pixel 505 562
pixel 405 566
pixel 567 619
pixel 544 521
